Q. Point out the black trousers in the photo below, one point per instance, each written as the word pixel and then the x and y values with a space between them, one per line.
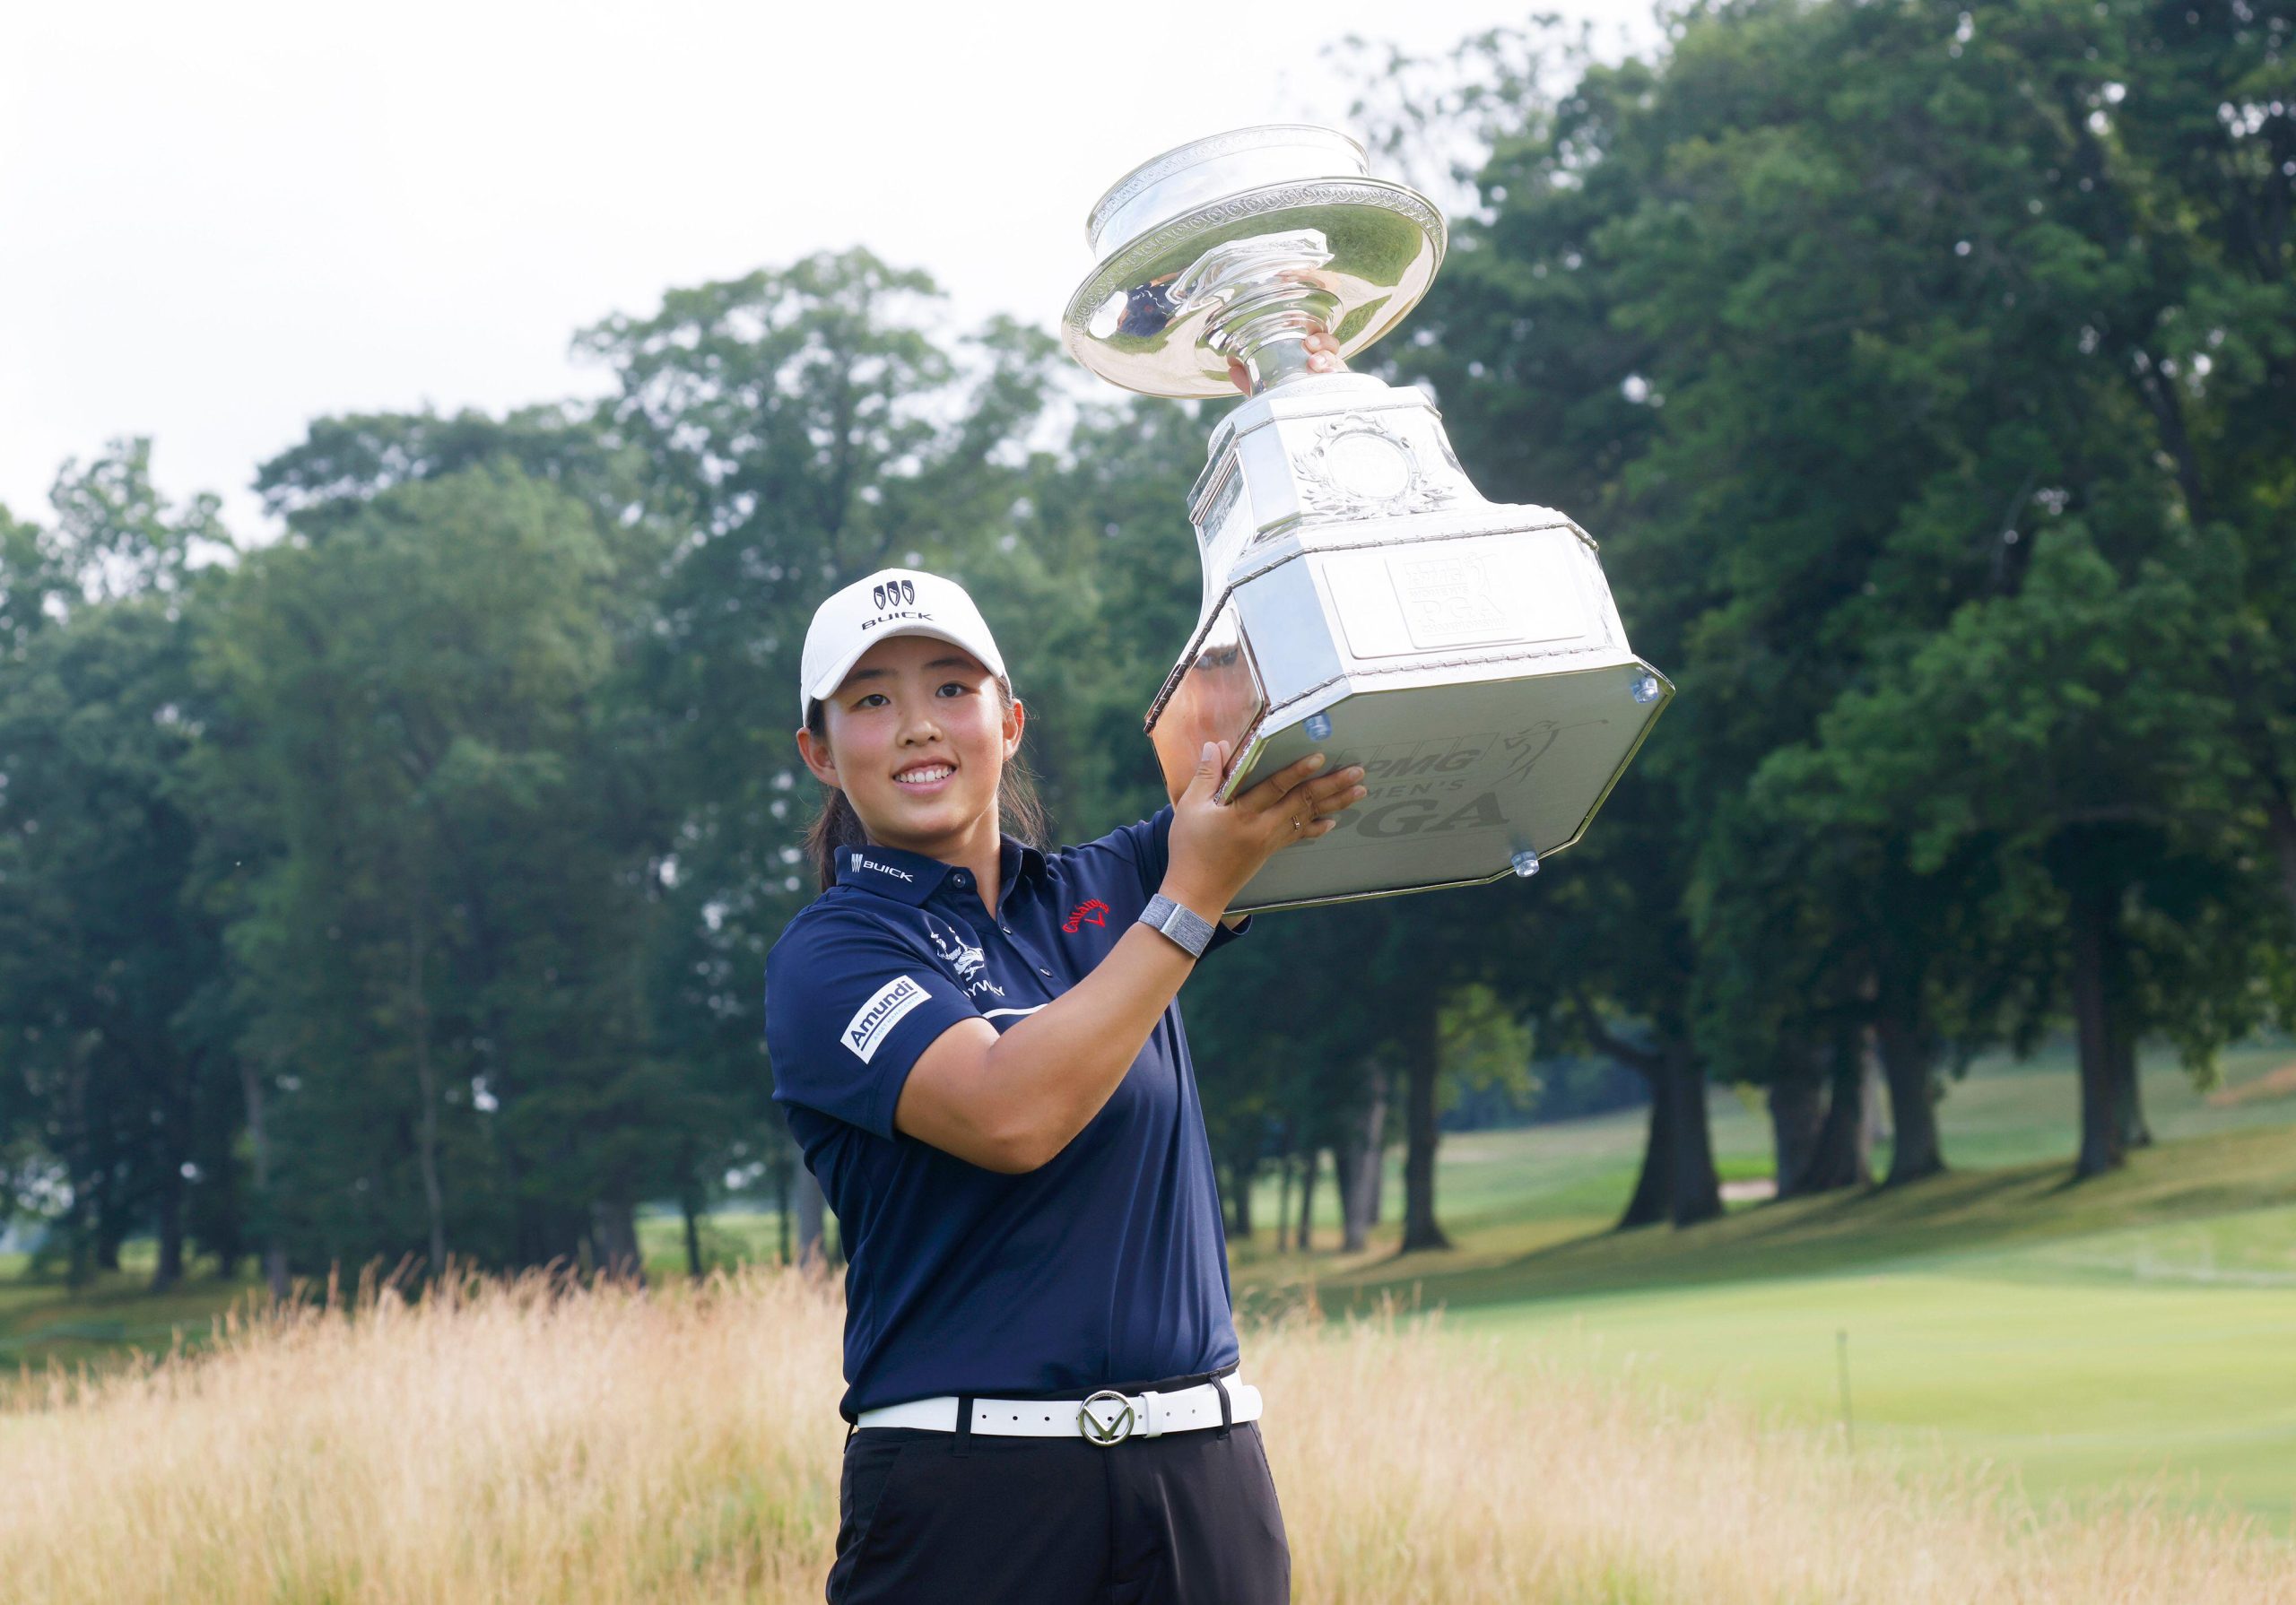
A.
pixel 1188 1518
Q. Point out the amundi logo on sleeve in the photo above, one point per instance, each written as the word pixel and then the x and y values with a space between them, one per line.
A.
pixel 876 1019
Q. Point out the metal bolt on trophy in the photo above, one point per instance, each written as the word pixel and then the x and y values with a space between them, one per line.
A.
pixel 1359 597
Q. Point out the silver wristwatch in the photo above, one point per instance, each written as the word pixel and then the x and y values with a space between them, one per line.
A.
pixel 1187 928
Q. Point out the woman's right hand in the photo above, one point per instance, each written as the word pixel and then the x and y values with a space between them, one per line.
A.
pixel 1217 846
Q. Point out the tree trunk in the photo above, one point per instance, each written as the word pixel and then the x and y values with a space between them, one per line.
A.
pixel 169 1270
pixel 2128 1091
pixel 1284 1191
pixel 690 1206
pixel 225 1234
pixel 1420 1134
pixel 1652 1201
pixel 274 1255
pixel 1307 1238
pixel 426 1085
pixel 1357 1164
pixel 87 1180
pixel 1375 1162
pixel 1839 1158
pixel 2091 938
pixel 1914 1151
pixel 1797 1108
pixel 613 1235
pixel 174 1140
pixel 2280 825
pixel 78 1236
pixel 1239 1198
pixel 781 1168
pixel 1697 1184
pixel 1874 1099
pixel 811 1208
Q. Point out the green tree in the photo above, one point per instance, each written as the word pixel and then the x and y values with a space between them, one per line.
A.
pixel 438 954
pixel 2059 727
pixel 103 956
pixel 1828 321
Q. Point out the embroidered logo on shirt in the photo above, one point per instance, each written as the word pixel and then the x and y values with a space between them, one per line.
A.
pixel 876 1017
pixel 860 862
pixel 969 961
pixel 1092 912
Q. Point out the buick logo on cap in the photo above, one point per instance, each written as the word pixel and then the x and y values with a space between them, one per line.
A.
pixel 893 593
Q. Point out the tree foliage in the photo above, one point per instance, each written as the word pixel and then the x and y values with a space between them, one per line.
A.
pixel 400 886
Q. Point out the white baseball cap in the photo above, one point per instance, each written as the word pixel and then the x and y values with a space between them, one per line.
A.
pixel 891 602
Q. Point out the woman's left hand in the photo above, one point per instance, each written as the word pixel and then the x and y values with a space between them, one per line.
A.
pixel 1323 357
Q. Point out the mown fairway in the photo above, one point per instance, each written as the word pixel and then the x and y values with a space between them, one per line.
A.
pixel 2072 1385
pixel 2140 1326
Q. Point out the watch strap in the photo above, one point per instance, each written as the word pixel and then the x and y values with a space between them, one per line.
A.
pixel 1188 929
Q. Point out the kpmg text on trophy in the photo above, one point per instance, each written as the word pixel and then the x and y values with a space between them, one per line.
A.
pixel 1359 597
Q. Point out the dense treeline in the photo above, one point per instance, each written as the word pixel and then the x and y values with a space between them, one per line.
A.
pixel 402 886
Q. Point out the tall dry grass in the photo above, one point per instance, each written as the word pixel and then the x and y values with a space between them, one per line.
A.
pixel 519 1444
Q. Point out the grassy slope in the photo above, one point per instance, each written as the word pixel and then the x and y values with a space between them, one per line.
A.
pixel 2138 1325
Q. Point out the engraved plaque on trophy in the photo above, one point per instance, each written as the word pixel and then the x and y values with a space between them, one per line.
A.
pixel 1361 598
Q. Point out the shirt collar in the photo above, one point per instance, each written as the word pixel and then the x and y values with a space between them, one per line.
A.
pixel 1016 860
pixel 890 872
pixel 912 877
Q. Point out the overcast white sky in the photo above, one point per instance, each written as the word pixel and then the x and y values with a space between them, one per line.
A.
pixel 219 220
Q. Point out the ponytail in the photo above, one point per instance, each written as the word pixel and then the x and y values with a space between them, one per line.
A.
pixel 837 828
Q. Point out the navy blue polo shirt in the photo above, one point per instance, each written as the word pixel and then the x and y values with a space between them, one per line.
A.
pixel 1105 1268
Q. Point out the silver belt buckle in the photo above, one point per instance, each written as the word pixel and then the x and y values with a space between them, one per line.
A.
pixel 1108 1424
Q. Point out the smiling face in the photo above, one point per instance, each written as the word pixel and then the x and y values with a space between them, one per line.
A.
pixel 917 738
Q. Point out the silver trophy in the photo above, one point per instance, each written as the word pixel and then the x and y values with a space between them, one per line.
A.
pixel 1359 597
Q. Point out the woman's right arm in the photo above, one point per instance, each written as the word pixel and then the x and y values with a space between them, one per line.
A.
pixel 1012 1102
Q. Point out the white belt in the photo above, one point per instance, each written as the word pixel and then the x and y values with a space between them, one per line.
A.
pixel 1105 1418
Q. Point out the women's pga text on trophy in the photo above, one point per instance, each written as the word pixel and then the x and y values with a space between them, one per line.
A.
pixel 1359 597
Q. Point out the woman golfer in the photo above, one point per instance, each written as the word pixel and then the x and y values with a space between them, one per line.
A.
pixel 976 1047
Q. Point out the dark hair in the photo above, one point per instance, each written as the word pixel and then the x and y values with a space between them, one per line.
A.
pixel 837 827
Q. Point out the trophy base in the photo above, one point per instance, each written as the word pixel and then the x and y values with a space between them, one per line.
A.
pixel 1463 779
pixel 1364 600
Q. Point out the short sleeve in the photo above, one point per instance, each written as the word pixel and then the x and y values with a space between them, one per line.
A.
pixel 849 1009
pixel 1150 843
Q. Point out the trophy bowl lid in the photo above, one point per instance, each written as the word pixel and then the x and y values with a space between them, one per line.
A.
pixel 1376 247
pixel 1181 180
